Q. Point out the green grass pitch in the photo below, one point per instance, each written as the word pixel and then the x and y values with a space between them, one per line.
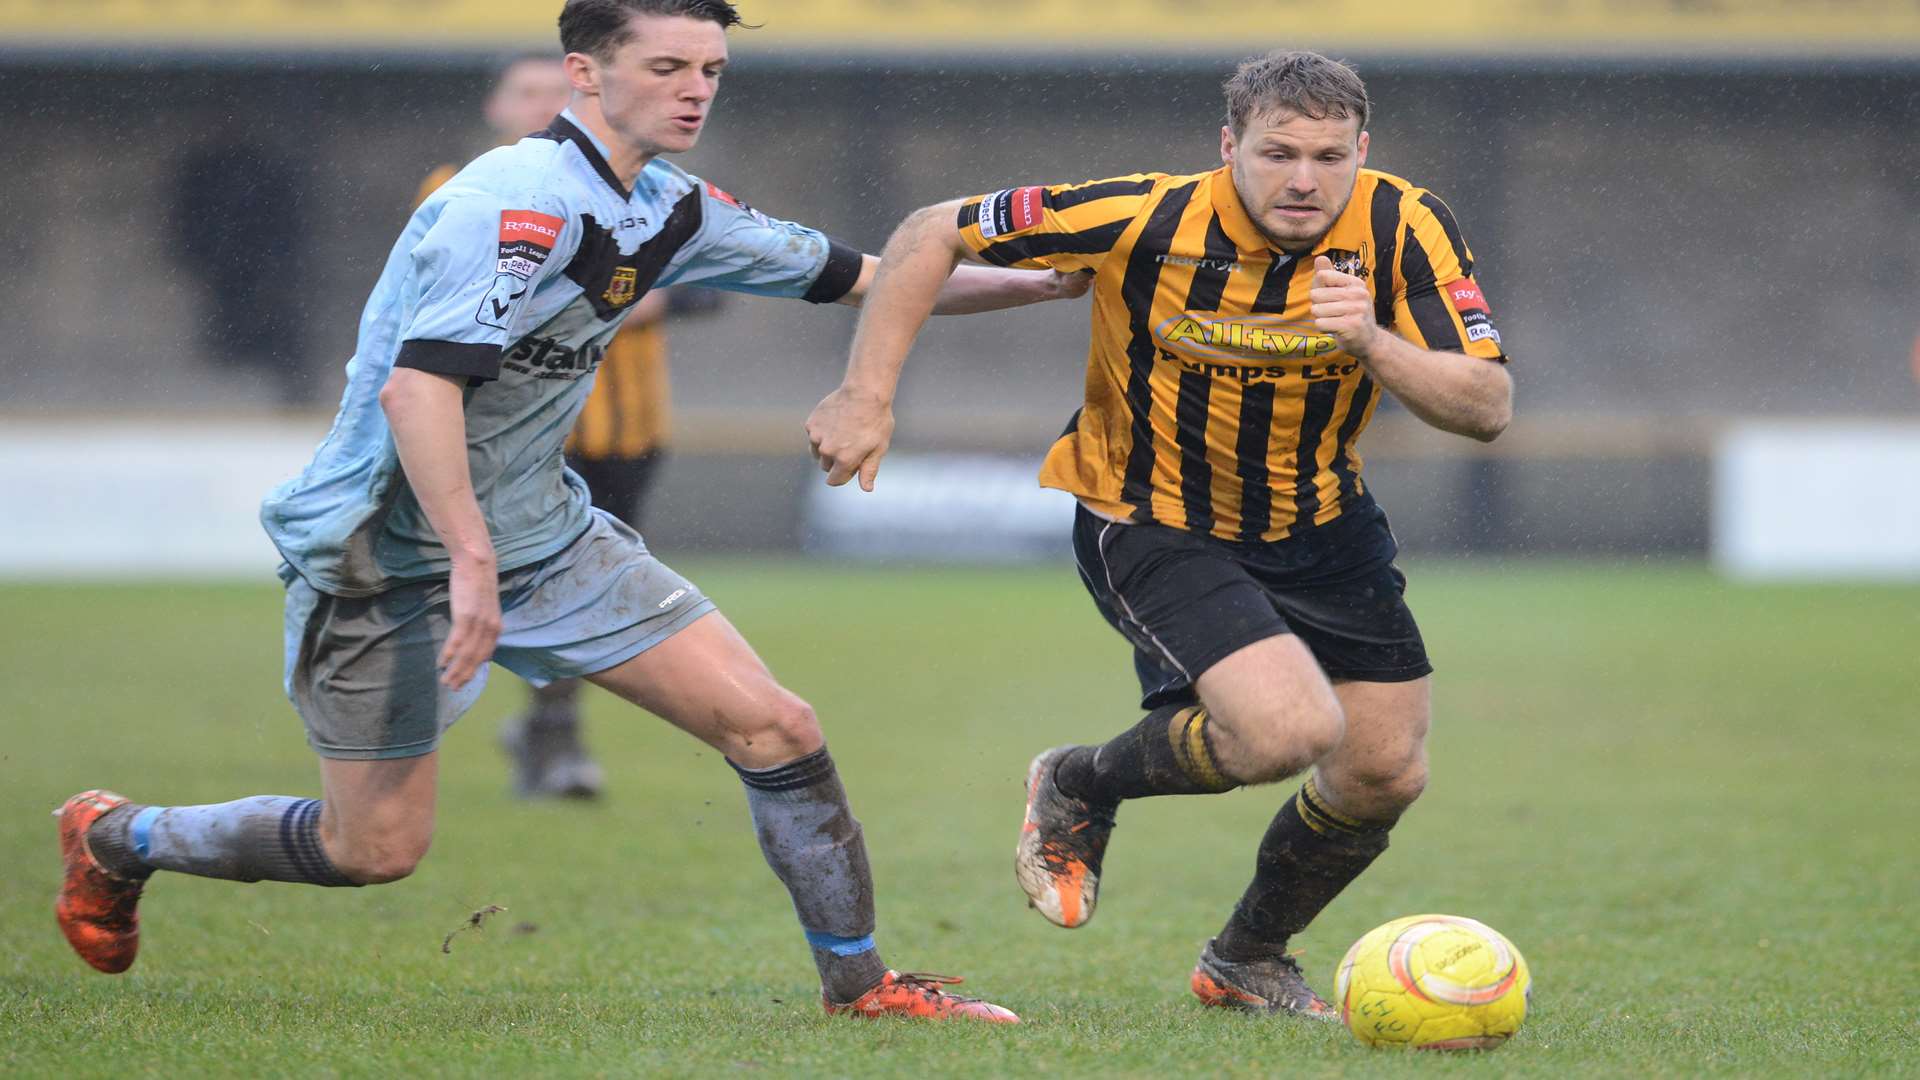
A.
pixel 1692 805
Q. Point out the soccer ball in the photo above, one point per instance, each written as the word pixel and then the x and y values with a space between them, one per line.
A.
pixel 1433 982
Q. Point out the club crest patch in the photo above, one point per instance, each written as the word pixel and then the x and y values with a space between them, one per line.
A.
pixel 1353 263
pixel 624 288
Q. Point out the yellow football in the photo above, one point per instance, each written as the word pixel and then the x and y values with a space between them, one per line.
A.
pixel 1433 982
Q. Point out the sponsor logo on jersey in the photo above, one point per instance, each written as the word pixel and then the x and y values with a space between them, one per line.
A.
pixel 624 288
pixel 533 227
pixel 1471 303
pixel 496 308
pixel 1027 207
pixel 527 237
pixel 735 202
pixel 1349 262
pixel 1011 210
pixel 1258 337
pixel 1466 296
pixel 547 358
pixel 1252 373
pixel 1225 266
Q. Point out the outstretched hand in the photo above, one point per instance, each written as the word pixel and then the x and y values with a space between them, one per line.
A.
pixel 1343 307
pixel 849 432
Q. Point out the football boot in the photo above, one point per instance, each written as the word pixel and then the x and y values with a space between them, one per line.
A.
pixel 96 909
pixel 920 995
pixel 1062 842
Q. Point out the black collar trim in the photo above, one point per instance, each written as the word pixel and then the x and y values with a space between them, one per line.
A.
pixel 562 130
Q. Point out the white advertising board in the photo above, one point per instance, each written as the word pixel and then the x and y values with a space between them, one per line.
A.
pixel 1815 501
pixel 134 500
pixel 944 507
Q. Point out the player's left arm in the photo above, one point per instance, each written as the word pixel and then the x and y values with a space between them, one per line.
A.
pixel 1441 357
pixel 741 249
pixel 969 289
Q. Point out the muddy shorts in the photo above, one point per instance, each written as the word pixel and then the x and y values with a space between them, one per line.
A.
pixel 363 674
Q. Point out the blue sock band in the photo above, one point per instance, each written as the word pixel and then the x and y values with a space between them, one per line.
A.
pixel 141 829
pixel 840 946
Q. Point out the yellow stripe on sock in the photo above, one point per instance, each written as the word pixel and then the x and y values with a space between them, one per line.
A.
pixel 1187 731
pixel 1311 798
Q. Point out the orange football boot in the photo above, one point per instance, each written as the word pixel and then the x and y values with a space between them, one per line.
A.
pixel 918 994
pixel 95 908
pixel 1062 843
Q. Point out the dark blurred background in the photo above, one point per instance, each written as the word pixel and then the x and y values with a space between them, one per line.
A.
pixel 1681 228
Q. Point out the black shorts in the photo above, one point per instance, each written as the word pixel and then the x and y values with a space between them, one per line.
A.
pixel 1187 601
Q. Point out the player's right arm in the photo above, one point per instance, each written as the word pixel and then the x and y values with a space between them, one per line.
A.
pixel 473 269
pixel 1066 228
pixel 427 413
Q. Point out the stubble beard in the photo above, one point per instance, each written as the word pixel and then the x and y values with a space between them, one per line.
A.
pixel 1291 244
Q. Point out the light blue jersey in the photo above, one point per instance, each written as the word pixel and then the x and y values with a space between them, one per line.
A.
pixel 515 274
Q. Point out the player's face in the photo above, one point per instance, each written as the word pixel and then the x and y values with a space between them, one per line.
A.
pixel 656 89
pixel 1294 173
pixel 527 98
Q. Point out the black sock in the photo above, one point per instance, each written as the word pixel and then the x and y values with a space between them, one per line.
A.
pixel 1169 752
pixel 1309 854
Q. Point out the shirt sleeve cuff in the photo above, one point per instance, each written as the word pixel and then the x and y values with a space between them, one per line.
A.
pixel 838 277
pixel 480 362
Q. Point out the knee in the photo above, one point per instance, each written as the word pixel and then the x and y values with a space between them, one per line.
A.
pixel 785 729
pixel 1274 743
pixel 1378 791
pixel 379 861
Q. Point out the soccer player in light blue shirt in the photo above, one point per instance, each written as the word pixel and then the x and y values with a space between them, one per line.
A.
pixel 437 527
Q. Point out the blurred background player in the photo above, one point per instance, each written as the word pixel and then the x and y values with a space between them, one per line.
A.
pixel 1245 323
pixel 616 445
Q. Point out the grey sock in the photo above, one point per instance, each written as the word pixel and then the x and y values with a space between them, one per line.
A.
pixel 556 709
pixel 811 839
pixel 263 838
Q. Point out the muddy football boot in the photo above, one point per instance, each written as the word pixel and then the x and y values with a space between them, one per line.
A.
pixel 1262 986
pixel 96 909
pixel 1061 844
pixel 920 995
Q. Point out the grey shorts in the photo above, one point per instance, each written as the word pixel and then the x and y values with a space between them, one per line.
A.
pixel 362 672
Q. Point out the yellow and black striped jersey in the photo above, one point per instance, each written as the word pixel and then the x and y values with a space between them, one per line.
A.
pixel 629 411
pixel 1213 403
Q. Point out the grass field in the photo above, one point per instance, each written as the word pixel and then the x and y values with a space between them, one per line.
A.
pixel 1691 804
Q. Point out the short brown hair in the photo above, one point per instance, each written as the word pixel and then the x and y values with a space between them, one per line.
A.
pixel 599 27
pixel 1299 82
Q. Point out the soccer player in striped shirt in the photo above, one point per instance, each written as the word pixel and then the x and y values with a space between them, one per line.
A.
pixel 1245 324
